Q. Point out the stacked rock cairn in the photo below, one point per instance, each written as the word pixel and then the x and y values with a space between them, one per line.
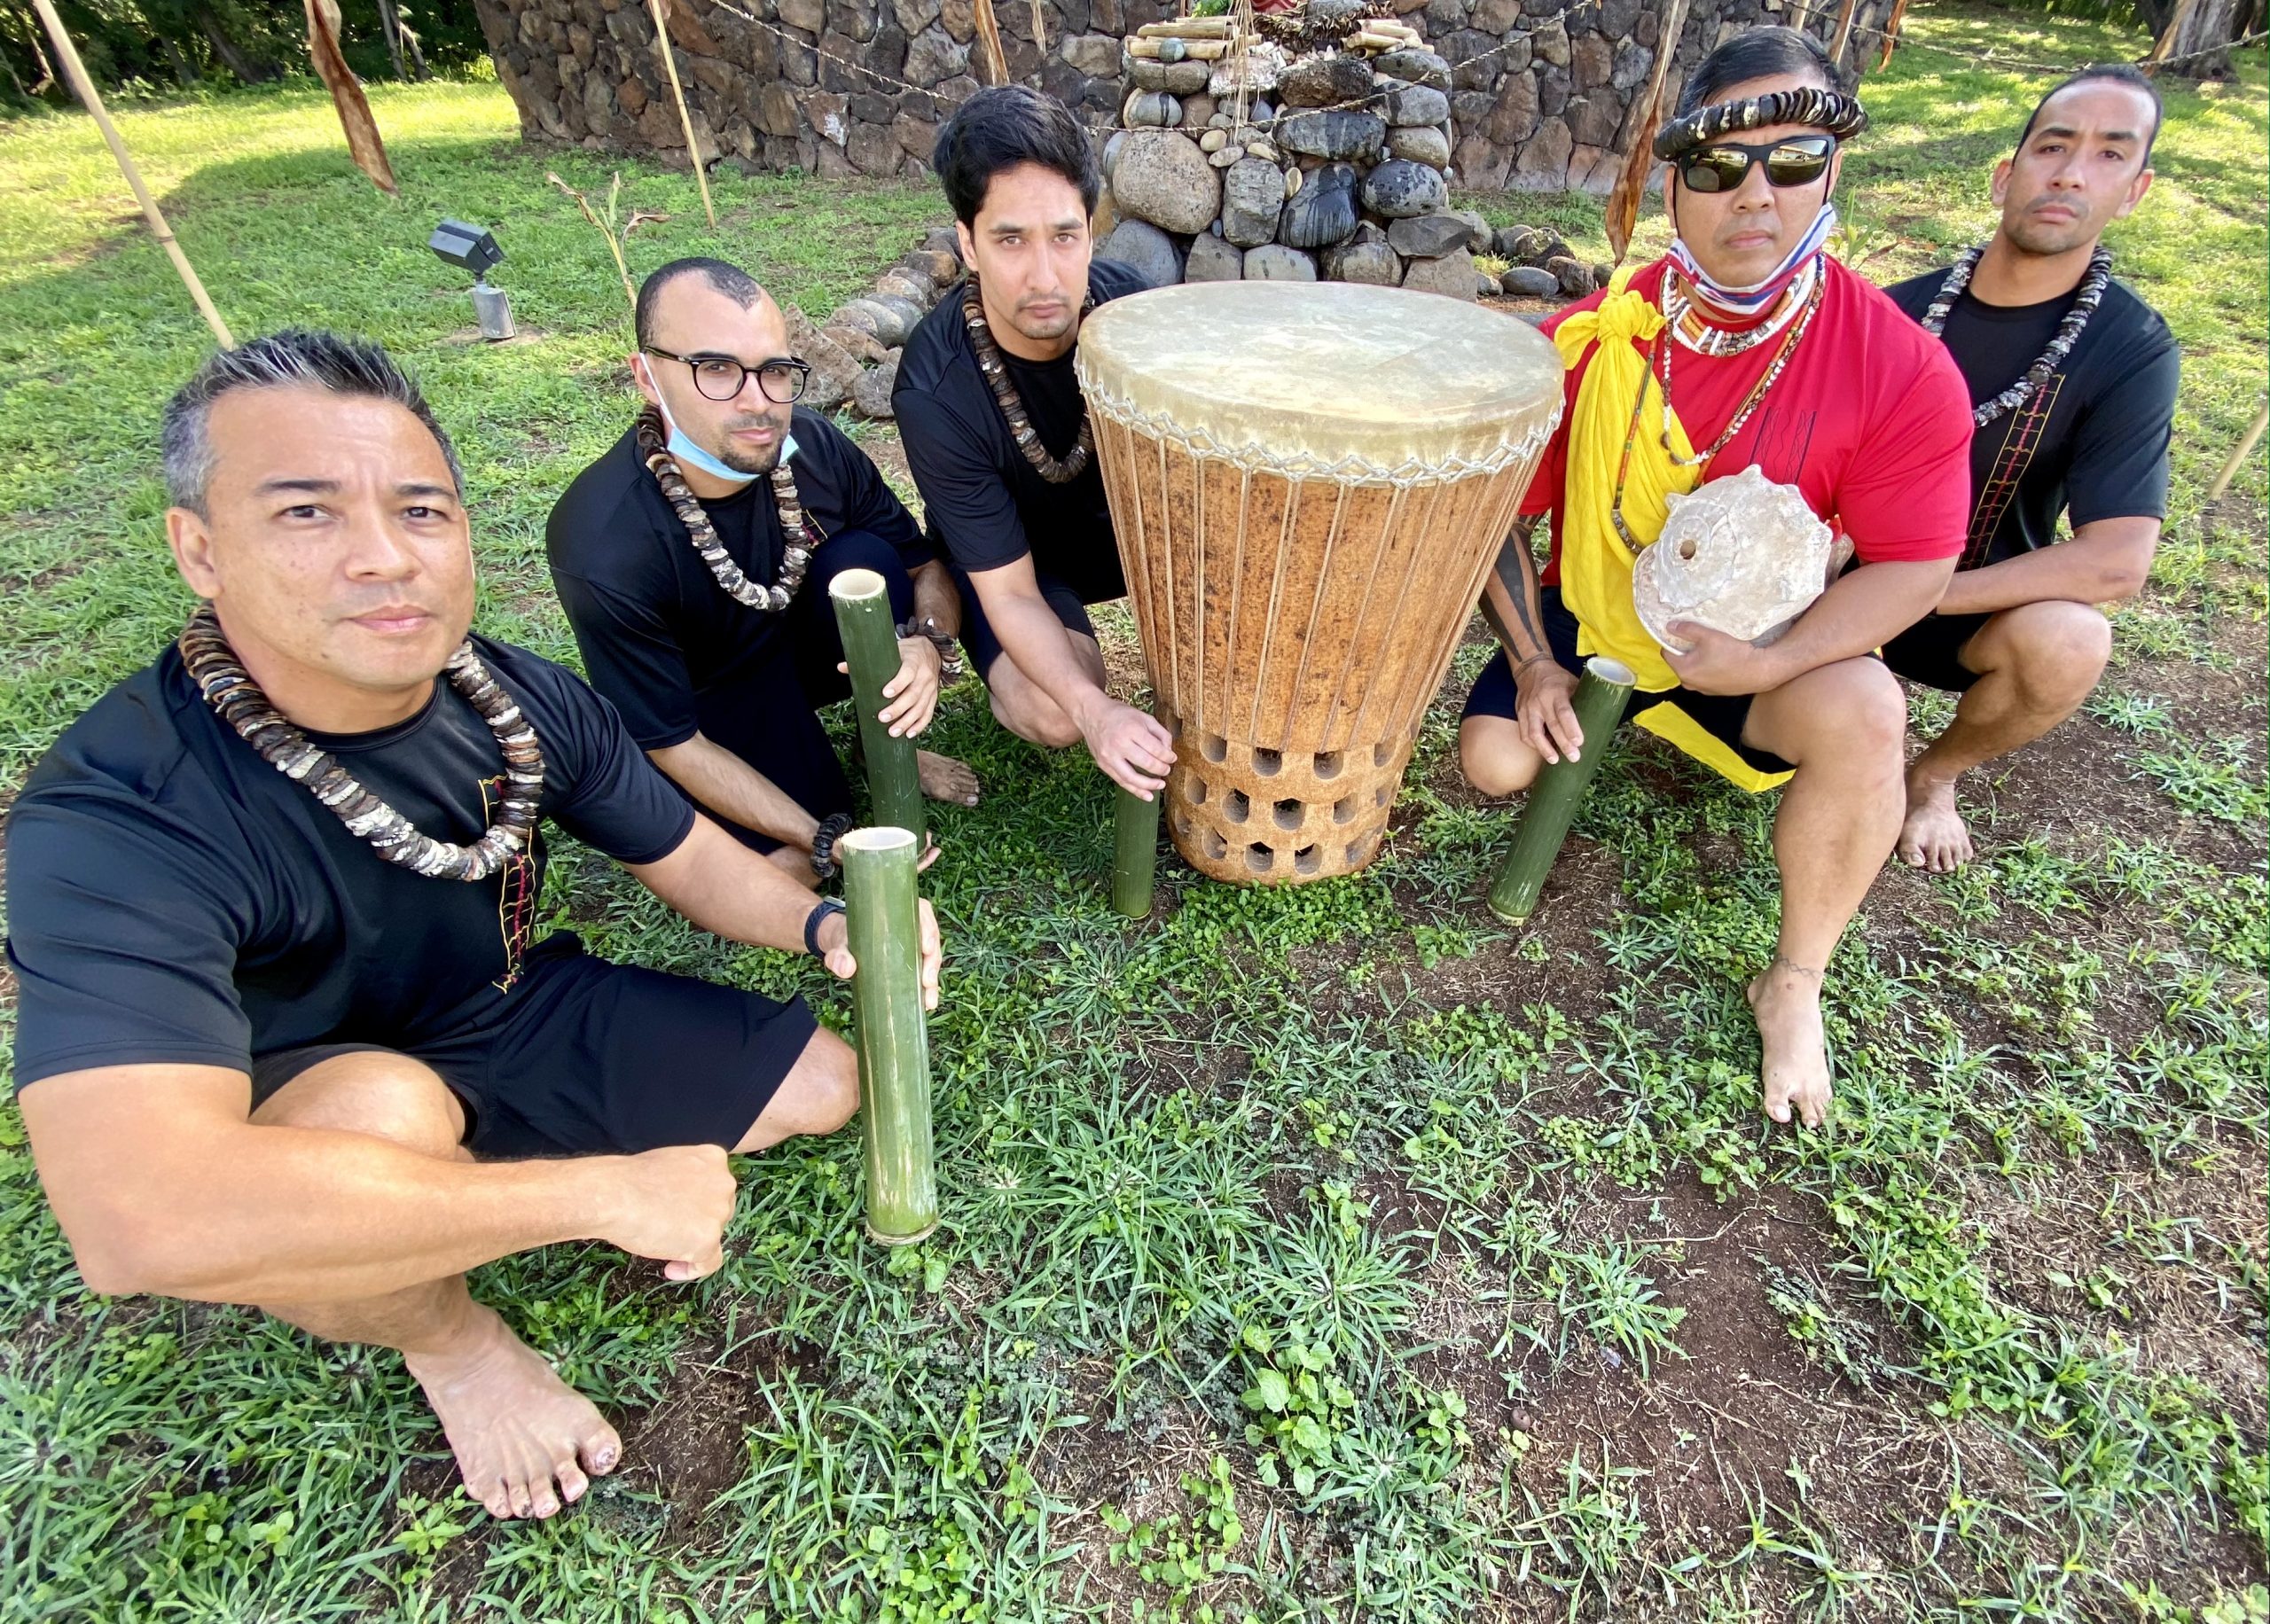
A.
pixel 854 354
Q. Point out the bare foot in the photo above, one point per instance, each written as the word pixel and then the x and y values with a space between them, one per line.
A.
pixel 1785 1001
pixel 516 1428
pixel 943 778
pixel 1934 837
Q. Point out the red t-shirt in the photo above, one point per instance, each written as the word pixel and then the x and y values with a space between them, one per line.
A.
pixel 1870 420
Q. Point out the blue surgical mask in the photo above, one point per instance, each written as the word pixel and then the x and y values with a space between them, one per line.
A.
pixel 689 454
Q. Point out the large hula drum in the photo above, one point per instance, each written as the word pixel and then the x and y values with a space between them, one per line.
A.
pixel 1309 481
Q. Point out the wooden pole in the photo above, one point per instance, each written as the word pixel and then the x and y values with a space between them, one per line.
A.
pixel 1892 33
pixel 1135 855
pixel 1844 32
pixel 1601 694
pixel 885 935
pixel 685 114
pixel 2237 459
pixel 85 88
pixel 871 649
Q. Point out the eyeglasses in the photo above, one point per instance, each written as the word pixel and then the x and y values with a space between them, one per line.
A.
pixel 721 378
pixel 1794 160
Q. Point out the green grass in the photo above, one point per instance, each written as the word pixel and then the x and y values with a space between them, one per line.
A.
pixel 1322 1253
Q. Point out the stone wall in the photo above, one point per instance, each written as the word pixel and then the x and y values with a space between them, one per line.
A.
pixel 856 87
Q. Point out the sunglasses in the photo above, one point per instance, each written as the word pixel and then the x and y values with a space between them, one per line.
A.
pixel 1794 161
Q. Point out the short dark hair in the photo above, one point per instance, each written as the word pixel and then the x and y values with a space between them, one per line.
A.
pixel 731 280
pixel 1758 53
pixel 2111 73
pixel 296 357
pixel 1002 127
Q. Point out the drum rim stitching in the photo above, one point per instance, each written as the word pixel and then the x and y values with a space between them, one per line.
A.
pixel 1250 456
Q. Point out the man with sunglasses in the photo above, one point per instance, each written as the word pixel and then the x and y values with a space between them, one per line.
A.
pixel 1745 346
pixel 693 560
pixel 2072 383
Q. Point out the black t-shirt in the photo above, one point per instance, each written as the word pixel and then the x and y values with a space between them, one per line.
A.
pixel 2091 443
pixel 172 898
pixel 660 637
pixel 983 500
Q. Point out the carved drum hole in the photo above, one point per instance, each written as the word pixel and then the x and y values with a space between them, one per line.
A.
pixel 1328 764
pixel 1236 807
pixel 1197 791
pixel 1343 810
pixel 1308 860
pixel 1380 755
pixel 1289 813
pixel 1357 850
pixel 1182 825
pixel 1260 858
pixel 1267 762
pixel 1214 747
pixel 1217 847
pixel 1379 796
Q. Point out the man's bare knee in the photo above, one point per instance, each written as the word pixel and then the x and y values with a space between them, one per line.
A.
pixel 1850 715
pixel 1034 717
pixel 820 1095
pixel 2053 650
pixel 1493 757
pixel 384 1095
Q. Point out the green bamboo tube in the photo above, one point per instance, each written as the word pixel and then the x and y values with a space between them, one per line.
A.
pixel 871 649
pixel 1135 861
pixel 894 1046
pixel 1601 693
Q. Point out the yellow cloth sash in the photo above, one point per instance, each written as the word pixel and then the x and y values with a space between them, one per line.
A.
pixel 1595 565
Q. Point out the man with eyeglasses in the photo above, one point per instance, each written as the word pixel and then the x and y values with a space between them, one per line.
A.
pixel 1745 346
pixel 693 560
pixel 2072 383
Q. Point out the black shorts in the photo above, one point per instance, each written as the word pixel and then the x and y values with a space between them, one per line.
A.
pixel 1721 716
pixel 977 638
pixel 588 1058
pixel 1930 651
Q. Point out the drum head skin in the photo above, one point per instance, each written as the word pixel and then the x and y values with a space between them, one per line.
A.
pixel 1324 380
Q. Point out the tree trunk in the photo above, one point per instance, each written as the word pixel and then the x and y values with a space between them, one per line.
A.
pixel 391 30
pixel 2195 43
pixel 231 55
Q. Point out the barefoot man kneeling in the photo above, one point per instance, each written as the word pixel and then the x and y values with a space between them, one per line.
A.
pixel 283 1037
pixel 2072 383
pixel 1783 361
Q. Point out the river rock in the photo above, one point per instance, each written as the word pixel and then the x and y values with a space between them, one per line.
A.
pixel 1174 78
pixel 1342 134
pixel 1371 263
pixel 1575 278
pixel 1163 177
pixel 1399 189
pixel 1420 144
pixel 1275 262
pixel 1212 259
pixel 1213 141
pixel 1253 195
pixel 1324 81
pixel 918 291
pixel 1322 212
pixel 1477 230
pixel 1418 103
pixel 890 326
pixel 1144 249
pixel 1530 282
pixel 871 395
pixel 1151 109
pixel 1452 274
pixel 1414 66
pixel 1427 237
pixel 910 315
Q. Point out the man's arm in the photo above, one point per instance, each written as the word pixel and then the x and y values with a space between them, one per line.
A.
pixel 1863 609
pixel 730 891
pixel 162 1185
pixel 2102 563
pixel 1510 600
pixel 731 788
pixel 937 603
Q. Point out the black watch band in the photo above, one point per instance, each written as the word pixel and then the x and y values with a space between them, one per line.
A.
pixel 815 919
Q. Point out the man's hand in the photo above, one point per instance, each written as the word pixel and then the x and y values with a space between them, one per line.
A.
pixel 835 950
pixel 914 693
pixel 1542 712
pixel 1133 750
pixel 672 1204
pixel 1715 663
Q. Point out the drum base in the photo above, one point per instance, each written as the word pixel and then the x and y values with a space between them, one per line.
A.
pixel 1257 817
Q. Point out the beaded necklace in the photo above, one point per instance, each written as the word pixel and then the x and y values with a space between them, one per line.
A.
pixel 796 538
pixel 2094 282
pixel 230 689
pixel 1074 462
pixel 1688 326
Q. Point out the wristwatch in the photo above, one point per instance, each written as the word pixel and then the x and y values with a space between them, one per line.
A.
pixel 816 919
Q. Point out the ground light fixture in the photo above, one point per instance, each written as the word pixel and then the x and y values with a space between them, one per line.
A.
pixel 469 247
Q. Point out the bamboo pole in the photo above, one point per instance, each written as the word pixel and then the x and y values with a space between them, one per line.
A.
pixel 685 114
pixel 871 649
pixel 1135 856
pixel 75 71
pixel 2237 459
pixel 885 935
pixel 1601 694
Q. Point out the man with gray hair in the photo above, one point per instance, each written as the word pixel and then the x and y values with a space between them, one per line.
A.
pixel 284 1036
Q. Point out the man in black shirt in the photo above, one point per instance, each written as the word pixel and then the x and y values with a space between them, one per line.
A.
pixel 2068 422
pixel 1026 524
pixel 282 1035
pixel 672 557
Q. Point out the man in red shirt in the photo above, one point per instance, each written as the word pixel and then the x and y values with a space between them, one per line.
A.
pixel 1785 361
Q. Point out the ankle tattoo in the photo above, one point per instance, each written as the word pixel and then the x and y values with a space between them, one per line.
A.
pixel 1782 961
